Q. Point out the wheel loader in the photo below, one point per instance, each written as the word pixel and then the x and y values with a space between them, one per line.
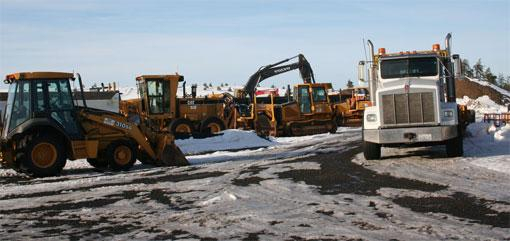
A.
pixel 43 127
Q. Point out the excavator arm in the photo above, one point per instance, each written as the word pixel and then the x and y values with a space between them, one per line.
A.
pixel 268 71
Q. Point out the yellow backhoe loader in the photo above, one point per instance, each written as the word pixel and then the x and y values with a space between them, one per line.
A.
pixel 43 127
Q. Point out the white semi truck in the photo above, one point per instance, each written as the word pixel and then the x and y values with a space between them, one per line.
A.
pixel 413 100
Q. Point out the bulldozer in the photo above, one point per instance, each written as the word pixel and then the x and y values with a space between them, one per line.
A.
pixel 352 103
pixel 43 126
pixel 159 107
pixel 306 111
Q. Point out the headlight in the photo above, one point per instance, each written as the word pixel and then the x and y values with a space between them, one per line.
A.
pixel 371 117
pixel 448 113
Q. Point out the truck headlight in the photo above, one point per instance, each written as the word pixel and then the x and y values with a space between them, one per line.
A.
pixel 448 113
pixel 371 117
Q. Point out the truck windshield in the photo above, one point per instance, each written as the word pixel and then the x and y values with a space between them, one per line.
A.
pixel 408 67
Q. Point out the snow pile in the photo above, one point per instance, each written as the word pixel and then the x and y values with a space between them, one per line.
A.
pixel 488 146
pixel 228 140
pixel 485 83
pixel 482 105
pixel 131 92
pixel 128 93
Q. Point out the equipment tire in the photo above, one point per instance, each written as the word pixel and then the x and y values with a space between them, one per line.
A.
pixel 121 155
pixel 263 126
pixel 98 163
pixel 43 156
pixel 211 125
pixel 371 151
pixel 181 127
pixel 334 127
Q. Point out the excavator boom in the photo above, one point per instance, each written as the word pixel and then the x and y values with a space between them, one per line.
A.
pixel 275 69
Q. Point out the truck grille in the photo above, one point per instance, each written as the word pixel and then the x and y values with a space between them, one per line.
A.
pixel 401 109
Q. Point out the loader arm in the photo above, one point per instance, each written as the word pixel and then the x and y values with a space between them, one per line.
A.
pixel 120 123
pixel 268 71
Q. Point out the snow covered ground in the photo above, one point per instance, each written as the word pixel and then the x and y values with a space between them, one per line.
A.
pixel 282 188
pixel 240 186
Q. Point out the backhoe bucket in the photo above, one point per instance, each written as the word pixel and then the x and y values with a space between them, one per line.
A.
pixel 173 156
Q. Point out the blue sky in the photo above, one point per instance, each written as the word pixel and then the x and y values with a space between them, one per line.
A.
pixel 226 41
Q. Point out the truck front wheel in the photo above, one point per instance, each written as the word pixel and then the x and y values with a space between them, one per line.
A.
pixel 371 151
pixel 455 147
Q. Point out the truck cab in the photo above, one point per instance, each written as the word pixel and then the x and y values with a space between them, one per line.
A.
pixel 413 100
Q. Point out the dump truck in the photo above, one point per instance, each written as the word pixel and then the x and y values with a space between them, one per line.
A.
pixel 305 111
pixel 159 107
pixel 413 100
pixel 43 127
pixel 351 105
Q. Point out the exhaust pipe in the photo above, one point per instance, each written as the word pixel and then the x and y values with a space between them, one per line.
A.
pixel 184 89
pixel 372 85
pixel 450 80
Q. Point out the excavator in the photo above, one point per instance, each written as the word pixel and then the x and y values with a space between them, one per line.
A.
pixel 307 111
pixel 43 126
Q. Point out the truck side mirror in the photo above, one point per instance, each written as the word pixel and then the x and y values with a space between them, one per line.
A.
pixel 361 71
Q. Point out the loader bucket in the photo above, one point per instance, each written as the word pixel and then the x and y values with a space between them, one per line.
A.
pixel 173 156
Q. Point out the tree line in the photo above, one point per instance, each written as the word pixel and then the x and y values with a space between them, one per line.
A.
pixel 483 73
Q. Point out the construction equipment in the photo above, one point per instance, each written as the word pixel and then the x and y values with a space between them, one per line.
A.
pixel 353 101
pixel 306 111
pixel 413 100
pixel 43 127
pixel 160 109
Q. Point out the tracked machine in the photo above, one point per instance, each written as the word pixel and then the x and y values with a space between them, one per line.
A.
pixel 306 111
pixel 352 103
pixel 43 126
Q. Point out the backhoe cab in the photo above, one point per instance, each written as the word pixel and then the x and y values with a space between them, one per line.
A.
pixel 43 127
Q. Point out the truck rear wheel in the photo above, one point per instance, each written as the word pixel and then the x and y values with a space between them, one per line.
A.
pixel 121 156
pixel 211 125
pixel 43 156
pixel 371 151
pixel 455 147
